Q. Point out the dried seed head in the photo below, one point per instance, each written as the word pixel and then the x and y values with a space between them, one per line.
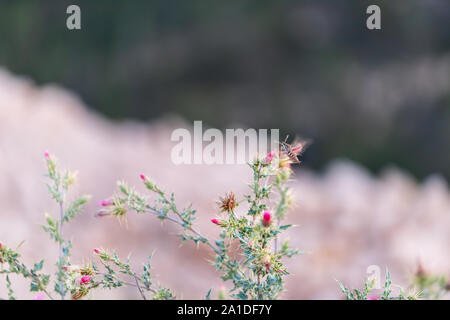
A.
pixel 228 203
pixel 87 271
pixel 266 261
pixel 79 294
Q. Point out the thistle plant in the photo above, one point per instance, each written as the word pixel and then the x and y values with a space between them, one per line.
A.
pixel 10 263
pixel 423 285
pixel 248 252
pixel 257 270
pixel 430 286
pixel 58 187
pixel 366 293
pixel 115 268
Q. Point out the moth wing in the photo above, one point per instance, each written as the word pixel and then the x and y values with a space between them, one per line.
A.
pixel 299 146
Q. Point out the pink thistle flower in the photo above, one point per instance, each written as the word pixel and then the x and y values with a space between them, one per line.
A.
pixel 96 251
pixel 47 154
pixel 1 245
pixel 216 221
pixel 143 177
pixel 39 296
pixel 270 157
pixel 266 220
pixel 106 203
pixel 373 296
pixel 85 280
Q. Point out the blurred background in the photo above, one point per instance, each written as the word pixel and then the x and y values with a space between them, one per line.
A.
pixel 105 99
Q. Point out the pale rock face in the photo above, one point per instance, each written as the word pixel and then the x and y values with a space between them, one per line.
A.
pixel 347 219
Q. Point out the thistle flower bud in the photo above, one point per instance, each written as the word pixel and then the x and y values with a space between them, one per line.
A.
pixel 106 202
pixel 71 178
pixel 270 157
pixel 102 254
pixel 102 213
pixel 47 154
pixel 216 221
pixel 222 295
pixel 143 177
pixel 267 219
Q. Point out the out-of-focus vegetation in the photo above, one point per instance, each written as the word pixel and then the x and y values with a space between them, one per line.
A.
pixel 308 66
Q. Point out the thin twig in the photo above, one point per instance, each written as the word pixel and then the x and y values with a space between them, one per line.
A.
pixel 139 287
pixel 208 242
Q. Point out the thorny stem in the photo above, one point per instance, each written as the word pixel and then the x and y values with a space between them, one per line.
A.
pixel 139 287
pixel 36 278
pixel 61 221
pixel 208 242
pixel 159 214
pixel 137 279
pixel 275 244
